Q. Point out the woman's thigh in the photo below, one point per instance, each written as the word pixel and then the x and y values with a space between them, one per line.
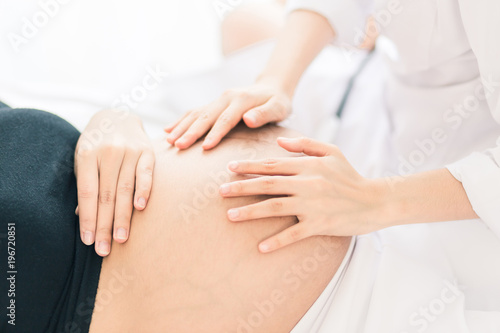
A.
pixel 37 200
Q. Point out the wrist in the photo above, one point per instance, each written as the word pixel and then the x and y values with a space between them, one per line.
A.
pixel 387 208
pixel 277 82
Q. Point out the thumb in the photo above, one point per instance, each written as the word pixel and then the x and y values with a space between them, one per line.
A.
pixel 270 111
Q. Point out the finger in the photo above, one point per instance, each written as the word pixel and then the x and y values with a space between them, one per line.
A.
pixel 109 169
pixel 270 185
pixel 307 146
pixel 125 197
pixel 182 126
pixel 272 166
pixel 170 127
pixel 202 124
pixel 87 184
pixel 144 179
pixel 267 208
pixel 273 110
pixel 288 236
pixel 225 123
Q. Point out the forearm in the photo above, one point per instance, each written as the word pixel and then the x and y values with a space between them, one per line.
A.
pixel 431 196
pixel 305 34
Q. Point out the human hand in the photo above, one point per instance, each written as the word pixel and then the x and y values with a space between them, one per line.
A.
pixel 322 189
pixel 114 163
pixel 257 105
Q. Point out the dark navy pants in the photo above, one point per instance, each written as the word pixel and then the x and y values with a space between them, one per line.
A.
pixel 48 276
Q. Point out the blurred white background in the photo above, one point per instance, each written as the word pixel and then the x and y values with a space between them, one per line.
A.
pixel 104 47
pixel 76 57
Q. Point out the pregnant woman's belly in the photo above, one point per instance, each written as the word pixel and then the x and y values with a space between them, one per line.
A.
pixel 186 268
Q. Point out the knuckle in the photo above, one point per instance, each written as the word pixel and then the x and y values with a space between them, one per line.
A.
pixel 278 242
pixel 133 150
pixel 276 105
pixel 247 213
pixel 276 205
pixel 226 119
pixel 190 135
pixel 84 150
pixel 125 188
pixel 229 93
pixel 203 117
pixel 278 108
pixel 305 141
pixel 113 149
pixel 194 113
pixel 147 170
pixel 86 192
pixel 260 113
pixel 103 232
pixel 106 197
pixel 268 183
pixel 244 96
pixel 295 234
pixel 87 223
pixel 237 187
pixel 122 218
pixel 270 164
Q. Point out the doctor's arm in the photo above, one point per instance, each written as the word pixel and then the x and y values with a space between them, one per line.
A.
pixel 330 198
pixel 479 173
pixel 269 99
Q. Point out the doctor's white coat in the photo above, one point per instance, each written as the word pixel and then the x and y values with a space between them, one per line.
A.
pixel 442 99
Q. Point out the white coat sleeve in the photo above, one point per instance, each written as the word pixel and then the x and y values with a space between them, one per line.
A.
pixel 347 17
pixel 480 172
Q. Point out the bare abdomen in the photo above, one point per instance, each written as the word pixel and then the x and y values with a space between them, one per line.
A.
pixel 186 268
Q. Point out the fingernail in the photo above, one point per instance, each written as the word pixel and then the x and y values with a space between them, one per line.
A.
pixel 225 189
pixel 88 237
pixel 171 137
pixel 233 213
pixel 207 142
pixel 233 165
pixel 141 203
pixel 251 118
pixel 103 248
pixel 264 247
pixel 180 142
pixel 121 234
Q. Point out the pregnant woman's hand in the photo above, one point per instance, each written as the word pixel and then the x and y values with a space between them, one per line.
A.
pixel 323 190
pixel 114 163
pixel 257 105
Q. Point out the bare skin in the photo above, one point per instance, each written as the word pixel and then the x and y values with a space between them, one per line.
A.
pixel 187 268
pixel 250 24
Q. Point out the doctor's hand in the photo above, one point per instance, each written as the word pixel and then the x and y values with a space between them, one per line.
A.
pixel 322 189
pixel 257 105
pixel 114 163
